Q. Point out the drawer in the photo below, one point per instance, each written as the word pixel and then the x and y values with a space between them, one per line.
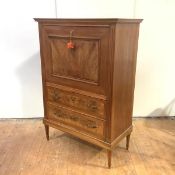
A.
pixel 76 121
pixel 79 102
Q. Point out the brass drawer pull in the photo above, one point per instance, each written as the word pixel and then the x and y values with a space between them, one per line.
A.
pixel 89 123
pixel 92 125
pixel 92 105
pixel 73 99
pixel 55 96
pixel 58 113
pixel 74 118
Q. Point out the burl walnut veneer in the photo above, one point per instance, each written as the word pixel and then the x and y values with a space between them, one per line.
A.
pixel 88 75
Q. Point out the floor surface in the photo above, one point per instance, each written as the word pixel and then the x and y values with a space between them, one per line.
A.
pixel 24 150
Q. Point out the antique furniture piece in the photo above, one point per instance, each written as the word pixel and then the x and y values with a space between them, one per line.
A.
pixel 88 75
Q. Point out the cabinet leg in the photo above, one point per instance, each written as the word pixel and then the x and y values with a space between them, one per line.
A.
pixel 109 152
pixel 127 141
pixel 47 131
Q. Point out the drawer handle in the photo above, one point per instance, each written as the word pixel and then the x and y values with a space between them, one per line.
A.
pixel 58 113
pixel 91 125
pixel 74 118
pixel 73 99
pixel 93 106
pixel 56 96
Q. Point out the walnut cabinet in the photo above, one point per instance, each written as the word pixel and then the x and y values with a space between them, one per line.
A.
pixel 88 76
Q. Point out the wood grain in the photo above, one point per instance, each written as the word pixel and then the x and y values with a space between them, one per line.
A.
pixel 80 63
pixel 25 151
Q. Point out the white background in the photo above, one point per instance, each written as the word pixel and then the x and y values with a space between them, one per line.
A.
pixel 20 77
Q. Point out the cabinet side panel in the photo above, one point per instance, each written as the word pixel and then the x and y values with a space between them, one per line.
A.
pixel 41 39
pixel 124 77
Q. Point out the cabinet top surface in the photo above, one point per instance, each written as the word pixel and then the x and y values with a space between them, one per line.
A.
pixel 92 20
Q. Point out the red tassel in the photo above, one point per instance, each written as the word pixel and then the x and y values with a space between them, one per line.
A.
pixel 70 45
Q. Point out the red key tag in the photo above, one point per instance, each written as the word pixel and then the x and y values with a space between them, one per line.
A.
pixel 70 45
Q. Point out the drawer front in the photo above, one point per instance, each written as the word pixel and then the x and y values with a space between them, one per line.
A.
pixel 79 102
pixel 76 121
pixel 85 65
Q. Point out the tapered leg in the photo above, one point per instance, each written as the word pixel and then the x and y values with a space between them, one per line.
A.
pixel 47 131
pixel 127 141
pixel 109 152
